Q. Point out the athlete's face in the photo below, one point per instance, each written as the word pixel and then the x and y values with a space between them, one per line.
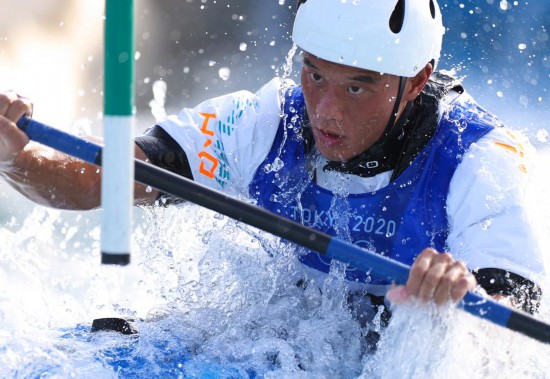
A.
pixel 348 107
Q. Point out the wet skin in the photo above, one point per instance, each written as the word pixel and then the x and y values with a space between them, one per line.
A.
pixel 350 107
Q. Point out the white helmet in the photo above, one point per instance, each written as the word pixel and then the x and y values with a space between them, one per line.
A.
pixel 397 37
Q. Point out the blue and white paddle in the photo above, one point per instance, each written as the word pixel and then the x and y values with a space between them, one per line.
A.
pixel 260 218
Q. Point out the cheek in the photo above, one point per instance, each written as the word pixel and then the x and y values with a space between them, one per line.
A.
pixel 310 96
pixel 374 111
pixel 306 87
pixel 364 116
pixel 312 107
pixel 368 127
pixel 363 135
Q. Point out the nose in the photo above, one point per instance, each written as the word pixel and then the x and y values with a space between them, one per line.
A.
pixel 329 105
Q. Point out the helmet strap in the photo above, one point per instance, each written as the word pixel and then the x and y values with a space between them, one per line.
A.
pixel 395 111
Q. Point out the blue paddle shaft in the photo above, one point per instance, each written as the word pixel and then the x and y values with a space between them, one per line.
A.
pixel 399 273
pixel 281 227
pixel 61 141
pixel 369 262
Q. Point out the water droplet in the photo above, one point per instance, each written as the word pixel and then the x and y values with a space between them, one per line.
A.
pixel 159 98
pixel 486 224
pixel 275 166
pixel 123 57
pixel 542 135
pixel 159 89
pixel 224 73
pixel 524 100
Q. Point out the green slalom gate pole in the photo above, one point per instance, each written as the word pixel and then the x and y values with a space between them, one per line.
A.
pixel 118 129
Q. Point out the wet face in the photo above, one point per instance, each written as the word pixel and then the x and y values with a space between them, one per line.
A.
pixel 348 107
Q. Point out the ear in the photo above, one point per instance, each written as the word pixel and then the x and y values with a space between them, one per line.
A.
pixel 416 84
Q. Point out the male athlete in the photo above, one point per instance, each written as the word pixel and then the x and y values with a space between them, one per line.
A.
pixel 373 147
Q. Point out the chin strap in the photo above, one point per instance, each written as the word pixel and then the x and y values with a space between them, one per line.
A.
pixel 393 116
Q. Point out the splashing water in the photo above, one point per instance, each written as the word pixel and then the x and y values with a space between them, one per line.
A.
pixel 201 287
pixel 212 298
pixel 159 99
pixel 287 67
pixel 425 342
pixel 215 298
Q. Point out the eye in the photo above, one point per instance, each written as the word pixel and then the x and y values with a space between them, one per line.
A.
pixel 355 90
pixel 315 77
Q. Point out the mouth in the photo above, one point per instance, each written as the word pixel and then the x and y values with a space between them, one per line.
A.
pixel 327 137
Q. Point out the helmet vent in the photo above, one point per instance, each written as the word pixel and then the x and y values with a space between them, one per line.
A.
pixel 432 8
pixel 397 17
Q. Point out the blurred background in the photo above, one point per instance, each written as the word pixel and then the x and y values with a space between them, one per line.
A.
pixel 51 52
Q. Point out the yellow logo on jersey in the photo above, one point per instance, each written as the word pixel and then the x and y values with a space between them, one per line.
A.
pixel 518 149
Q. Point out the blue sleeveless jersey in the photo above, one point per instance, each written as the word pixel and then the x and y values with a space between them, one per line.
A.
pixel 397 221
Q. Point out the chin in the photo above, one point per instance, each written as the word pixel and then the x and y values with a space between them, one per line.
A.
pixel 333 156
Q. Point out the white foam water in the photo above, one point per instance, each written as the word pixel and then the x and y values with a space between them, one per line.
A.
pixel 215 298
pixel 210 297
